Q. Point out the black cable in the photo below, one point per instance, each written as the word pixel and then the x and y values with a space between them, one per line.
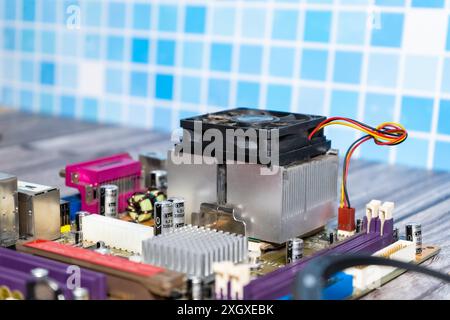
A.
pixel 309 282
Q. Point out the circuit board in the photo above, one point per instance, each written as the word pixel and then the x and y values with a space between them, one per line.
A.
pixel 428 252
pixel 216 240
pixel 274 257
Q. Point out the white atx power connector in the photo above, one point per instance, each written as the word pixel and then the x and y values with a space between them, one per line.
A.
pixel 115 233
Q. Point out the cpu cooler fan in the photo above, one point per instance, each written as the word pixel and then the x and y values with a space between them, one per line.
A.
pixel 289 129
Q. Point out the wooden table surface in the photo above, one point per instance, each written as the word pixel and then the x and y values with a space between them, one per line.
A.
pixel 35 148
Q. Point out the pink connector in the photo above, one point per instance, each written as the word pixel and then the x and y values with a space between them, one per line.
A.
pixel 88 176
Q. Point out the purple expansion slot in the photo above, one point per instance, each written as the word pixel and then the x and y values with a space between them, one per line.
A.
pixel 20 265
pixel 17 281
pixel 279 283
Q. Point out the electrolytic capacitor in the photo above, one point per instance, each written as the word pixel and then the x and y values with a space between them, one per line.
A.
pixel 39 273
pixel 294 250
pixel 414 233
pixel 163 215
pixel 42 287
pixel 109 200
pixel 158 179
pixel 102 248
pixel 358 225
pixel 64 207
pixel 396 234
pixel 178 212
pixel 331 238
pixel 79 226
pixel 196 288
pixel 80 294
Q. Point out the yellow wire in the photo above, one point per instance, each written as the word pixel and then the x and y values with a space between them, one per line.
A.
pixel 371 133
pixel 351 125
pixel 375 135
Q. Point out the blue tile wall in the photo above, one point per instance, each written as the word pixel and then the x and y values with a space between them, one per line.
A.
pixel 138 84
pixel 428 3
pixel 383 70
pixel 314 64
pixel 68 76
pixel 347 66
pixel 311 100
pixel 167 17
pixel 146 63
pixel 281 62
pixel 190 89
pixel 141 16
pixel 250 59
pixel 317 26
pixel 114 81
pixel 47 72
pixel 444 117
pixel 285 25
pixel 220 59
pixel 441 158
pixel 390 34
pixel 46 104
pixel 448 36
pixel 92 45
pixel 89 109
pixel 253 22
pixel 351 27
pixel 48 42
pixel 247 94
pixel 116 15
pixel 194 21
pixel 140 50
pixel 224 20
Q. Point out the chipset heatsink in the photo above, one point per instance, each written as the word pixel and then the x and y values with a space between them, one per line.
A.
pixel 193 250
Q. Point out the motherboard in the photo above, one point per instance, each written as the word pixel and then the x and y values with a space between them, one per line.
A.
pixel 244 202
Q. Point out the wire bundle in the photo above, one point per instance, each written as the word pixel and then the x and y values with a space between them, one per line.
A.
pixel 385 134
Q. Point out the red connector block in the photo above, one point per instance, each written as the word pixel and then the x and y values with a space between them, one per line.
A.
pixel 346 222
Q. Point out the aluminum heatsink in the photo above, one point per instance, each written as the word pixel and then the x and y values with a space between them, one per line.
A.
pixel 193 250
